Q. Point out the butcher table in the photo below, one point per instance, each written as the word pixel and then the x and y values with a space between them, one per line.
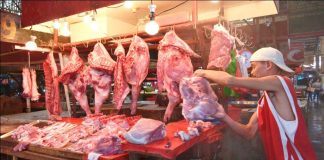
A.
pixel 204 141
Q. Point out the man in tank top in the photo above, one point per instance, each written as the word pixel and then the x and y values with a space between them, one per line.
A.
pixel 278 117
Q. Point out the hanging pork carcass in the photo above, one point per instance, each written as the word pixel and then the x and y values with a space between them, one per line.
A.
pixel 121 88
pixel 52 92
pixel 76 75
pixel 136 67
pixel 173 64
pixel 220 47
pixel 101 71
pixel 199 99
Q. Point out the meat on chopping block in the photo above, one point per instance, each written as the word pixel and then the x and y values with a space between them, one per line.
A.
pixel 173 64
pixel 52 93
pixel 121 88
pixel 101 70
pixel 146 131
pixel 26 83
pixel 221 45
pixel 76 75
pixel 34 92
pixel 199 99
pixel 136 67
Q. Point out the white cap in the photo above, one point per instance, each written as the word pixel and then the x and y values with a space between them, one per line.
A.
pixel 273 55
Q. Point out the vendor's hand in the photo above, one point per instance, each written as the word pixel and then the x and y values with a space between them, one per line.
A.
pixel 199 73
pixel 220 114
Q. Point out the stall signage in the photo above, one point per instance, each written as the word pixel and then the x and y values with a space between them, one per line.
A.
pixel 9 24
pixel 295 54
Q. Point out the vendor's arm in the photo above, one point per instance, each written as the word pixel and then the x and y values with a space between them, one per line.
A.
pixel 269 83
pixel 247 131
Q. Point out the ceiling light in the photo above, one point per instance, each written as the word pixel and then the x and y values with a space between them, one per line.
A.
pixel 128 4
pixel 56 24
pixel 215 1
pixel 94 24
pixel 152 27
pixel 66 29
pixel 31 45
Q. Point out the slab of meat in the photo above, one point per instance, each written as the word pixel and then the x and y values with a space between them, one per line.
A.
pixel 103 144
pixel 76 75
pixel 146 131
pixel 52 93
pixel 136 67
pixel 173 64
pixel 199 100
pixel 27 84
pixel 34 92
pixel 221 45
pixel 102 67
pixel 121 88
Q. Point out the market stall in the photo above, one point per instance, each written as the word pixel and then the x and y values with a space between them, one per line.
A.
pixel 168 55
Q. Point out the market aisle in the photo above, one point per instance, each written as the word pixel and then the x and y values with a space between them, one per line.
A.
pixel 316 127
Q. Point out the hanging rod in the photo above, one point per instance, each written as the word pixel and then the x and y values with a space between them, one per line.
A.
pixel 92 42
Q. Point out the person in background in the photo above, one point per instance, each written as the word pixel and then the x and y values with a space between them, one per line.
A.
pixel 317 89
pixel 5 88
pixel 310 91
pixel 278 117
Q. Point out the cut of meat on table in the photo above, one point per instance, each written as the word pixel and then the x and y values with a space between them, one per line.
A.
pixel 173 64
pixel 34 92
pixel 76 75
pixel 199 100
pixel 121 88
pixel 52 93
pixel 26 83
pixel 146 131
pixel 136 67
pixel 221 45
pixel 101 70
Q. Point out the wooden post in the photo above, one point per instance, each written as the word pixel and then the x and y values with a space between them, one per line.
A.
pixel 66 91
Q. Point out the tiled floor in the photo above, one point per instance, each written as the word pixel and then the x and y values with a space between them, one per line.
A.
pixel 315 121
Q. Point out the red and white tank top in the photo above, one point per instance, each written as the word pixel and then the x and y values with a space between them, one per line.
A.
pixel 284 140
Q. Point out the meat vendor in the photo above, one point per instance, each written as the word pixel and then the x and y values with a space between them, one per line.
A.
pixel 278 117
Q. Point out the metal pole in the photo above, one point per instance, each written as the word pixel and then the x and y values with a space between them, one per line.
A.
pixel 28 109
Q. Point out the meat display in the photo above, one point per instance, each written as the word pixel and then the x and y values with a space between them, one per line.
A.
pixel 199 100
pixel 100 134
pixel 146 131
pixel 76 75
pixel 26 83
pixel 102 67
pixel 121 88
pixel 34 93
pixel 52 93
pixel 136 67
pixel 221 44
pixel 173 64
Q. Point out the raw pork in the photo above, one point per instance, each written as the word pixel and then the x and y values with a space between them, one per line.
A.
pixel 52 93
pixel 102 67
pixel 136 67
pixel 146 131
pixel 26 83
pixel 76 75
pixel 199 100
pixel 34 93
pixel 121 88
pixel 173 64
pixel 221 45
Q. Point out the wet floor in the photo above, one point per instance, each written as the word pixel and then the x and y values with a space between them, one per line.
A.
pixel 315 123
